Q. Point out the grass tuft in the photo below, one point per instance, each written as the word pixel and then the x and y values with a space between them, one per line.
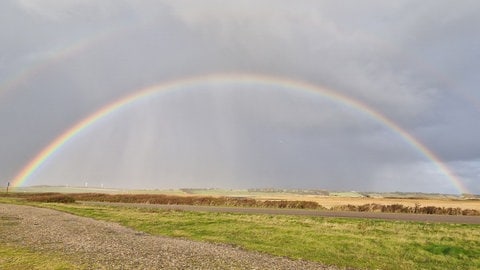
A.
pixel 15 258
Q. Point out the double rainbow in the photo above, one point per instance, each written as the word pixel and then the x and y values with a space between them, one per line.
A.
pixel 237 79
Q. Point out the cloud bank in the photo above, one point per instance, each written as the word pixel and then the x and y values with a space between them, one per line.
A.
pixel 415 63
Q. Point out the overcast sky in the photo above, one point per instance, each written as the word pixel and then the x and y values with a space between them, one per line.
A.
pixel 416 63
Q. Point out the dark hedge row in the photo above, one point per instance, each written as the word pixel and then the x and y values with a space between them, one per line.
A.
pixel 399 208
pixel 194 200
pixel 50 198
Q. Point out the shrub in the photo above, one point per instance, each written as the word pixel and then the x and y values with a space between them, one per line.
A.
pixel 51 198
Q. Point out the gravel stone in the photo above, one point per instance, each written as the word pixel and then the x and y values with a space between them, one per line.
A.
pixel 105 245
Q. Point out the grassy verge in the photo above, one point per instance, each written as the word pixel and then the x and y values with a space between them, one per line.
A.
pixel 23 258
pixel 357 243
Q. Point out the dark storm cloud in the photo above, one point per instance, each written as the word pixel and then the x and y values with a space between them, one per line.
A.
pixel 414 63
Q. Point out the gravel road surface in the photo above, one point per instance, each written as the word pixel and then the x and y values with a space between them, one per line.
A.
pixel 104 245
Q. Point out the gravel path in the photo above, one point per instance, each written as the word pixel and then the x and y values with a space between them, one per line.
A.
pixel 105 245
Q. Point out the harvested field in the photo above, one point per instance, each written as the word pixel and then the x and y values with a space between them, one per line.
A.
pixel 331 201
pixel 323 200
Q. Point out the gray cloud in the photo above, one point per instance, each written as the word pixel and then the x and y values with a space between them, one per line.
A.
pixel 414 63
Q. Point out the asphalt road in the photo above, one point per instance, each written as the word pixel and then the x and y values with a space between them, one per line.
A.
pixel 315 213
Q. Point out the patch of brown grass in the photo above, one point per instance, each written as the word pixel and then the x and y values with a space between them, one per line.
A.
pixel 194 200
pixel 50 198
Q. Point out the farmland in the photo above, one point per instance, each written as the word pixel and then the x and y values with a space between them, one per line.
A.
pixel 344 242
pixel 412 203
pixel 328 200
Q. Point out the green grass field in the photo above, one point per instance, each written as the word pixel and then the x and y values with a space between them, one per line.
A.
pixel 358 243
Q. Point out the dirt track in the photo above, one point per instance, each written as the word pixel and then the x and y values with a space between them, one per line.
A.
pixel 275 211
pixel 93 244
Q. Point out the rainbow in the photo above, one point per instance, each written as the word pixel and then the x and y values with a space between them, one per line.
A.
pixel 61 54
pixel 37 68
pixel 229 78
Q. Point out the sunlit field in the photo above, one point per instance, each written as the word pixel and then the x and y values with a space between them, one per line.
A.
pixel 328 199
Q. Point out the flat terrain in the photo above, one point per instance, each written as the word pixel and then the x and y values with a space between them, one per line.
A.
pixel 87 243
pixel 334 200
pixel 38 237
pixel 235 237
pixel 313 213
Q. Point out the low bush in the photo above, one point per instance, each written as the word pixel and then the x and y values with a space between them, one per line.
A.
pixel 194 200
pixel 289 204
pixel 399 208
pixel 51 198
